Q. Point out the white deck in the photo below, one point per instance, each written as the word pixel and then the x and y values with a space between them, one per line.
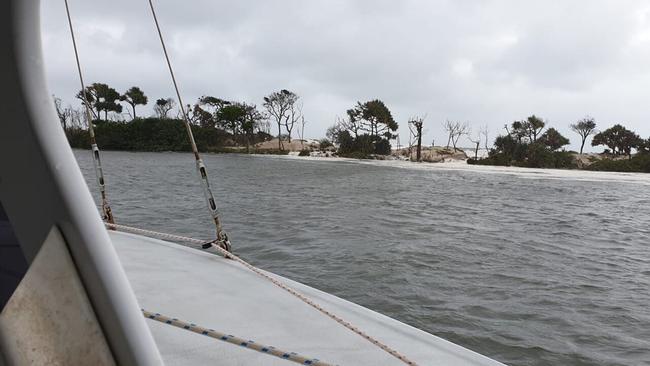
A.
pixel 213 292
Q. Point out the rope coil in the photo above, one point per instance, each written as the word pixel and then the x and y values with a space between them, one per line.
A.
pixel 274 281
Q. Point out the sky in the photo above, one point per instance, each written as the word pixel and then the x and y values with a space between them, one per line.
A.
pixel 481 62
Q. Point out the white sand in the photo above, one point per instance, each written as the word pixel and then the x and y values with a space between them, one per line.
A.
pixel 525 173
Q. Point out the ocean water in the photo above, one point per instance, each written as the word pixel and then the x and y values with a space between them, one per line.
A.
pixel 529 267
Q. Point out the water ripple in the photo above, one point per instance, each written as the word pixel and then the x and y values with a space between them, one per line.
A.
pixel 528 267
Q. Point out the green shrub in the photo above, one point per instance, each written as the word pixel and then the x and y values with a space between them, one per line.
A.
pixel 639 163
pixel 152 134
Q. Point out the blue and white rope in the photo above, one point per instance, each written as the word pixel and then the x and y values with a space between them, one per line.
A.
pixel 290 356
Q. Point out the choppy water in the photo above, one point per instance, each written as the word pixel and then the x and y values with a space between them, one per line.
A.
pixel 526 271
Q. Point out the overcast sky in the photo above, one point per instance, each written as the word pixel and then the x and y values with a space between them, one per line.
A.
pixel 485 62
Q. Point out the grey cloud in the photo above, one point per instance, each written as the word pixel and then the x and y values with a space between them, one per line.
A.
pixel 487 62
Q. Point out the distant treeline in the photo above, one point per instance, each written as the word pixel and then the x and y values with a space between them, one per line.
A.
pixel 527 144
pixel 156 134
pixel 217 122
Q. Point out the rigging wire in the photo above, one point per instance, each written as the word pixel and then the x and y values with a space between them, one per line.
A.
pixel 222 237
pixel 99 173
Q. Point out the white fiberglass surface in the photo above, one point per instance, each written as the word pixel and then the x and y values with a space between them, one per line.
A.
pixel 216 293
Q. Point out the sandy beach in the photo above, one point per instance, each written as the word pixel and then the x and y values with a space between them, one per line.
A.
pixel 526 173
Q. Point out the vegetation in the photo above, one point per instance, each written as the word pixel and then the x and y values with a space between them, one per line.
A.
pixel 585 127
pixel 221 125
pixel 156 134
pixel 367 130
pixel 638 163
pixel 217 124
pixel 134 96
pixel 525 145
pixel 619 139
pixel 101 97
pixel 283 107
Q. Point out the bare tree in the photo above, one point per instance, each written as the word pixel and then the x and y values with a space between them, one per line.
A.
pixel 484 132
pixel 455 130
pixel 450 128
pixel 415 126
pixel 163 106
pixel 461 129
pixel 584 128
pixel 65 114
pixel 349 124
pixel 476 139
pixel 77 119
pixel 279 106
pixel 302 131
pixel 292 118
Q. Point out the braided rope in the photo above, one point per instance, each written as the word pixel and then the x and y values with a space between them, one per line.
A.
pixel 290 356
pixel 276 282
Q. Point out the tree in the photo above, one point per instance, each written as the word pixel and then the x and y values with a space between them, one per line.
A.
pixel 477 141
pixel 533 127
pixel 294 116
pixel 280 106
pixel 252 121
pixel 367 130
pixel 335 130
pixel 610 138
pixel 505 145
pixel 374 117
pixel 134 96
pixel 348 124
pixel 455 130
pixel 231 117
pixel 584 128
pixel 619 139
pixel 450 128
pixel 102 97
pixel 301 131
pixel 485 133
pixel 163 106
pixel 518 130
pixel 199 116
pixel 241 119
pixel 88 99
pixel 65 114
pixel 415 126
pixel 553 139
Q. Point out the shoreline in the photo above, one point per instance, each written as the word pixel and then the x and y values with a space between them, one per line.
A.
pixel 452 165
pixel 462 166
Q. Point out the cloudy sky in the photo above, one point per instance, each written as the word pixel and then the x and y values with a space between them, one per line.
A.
pixel 484 62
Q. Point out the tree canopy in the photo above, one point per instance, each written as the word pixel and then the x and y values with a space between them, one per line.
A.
pixel 619 139
pixel 584 128
pixel 163 106
pixel 553 139
pixel 101 97
pixel 374 117
pixel 281 106
pixel 134 96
